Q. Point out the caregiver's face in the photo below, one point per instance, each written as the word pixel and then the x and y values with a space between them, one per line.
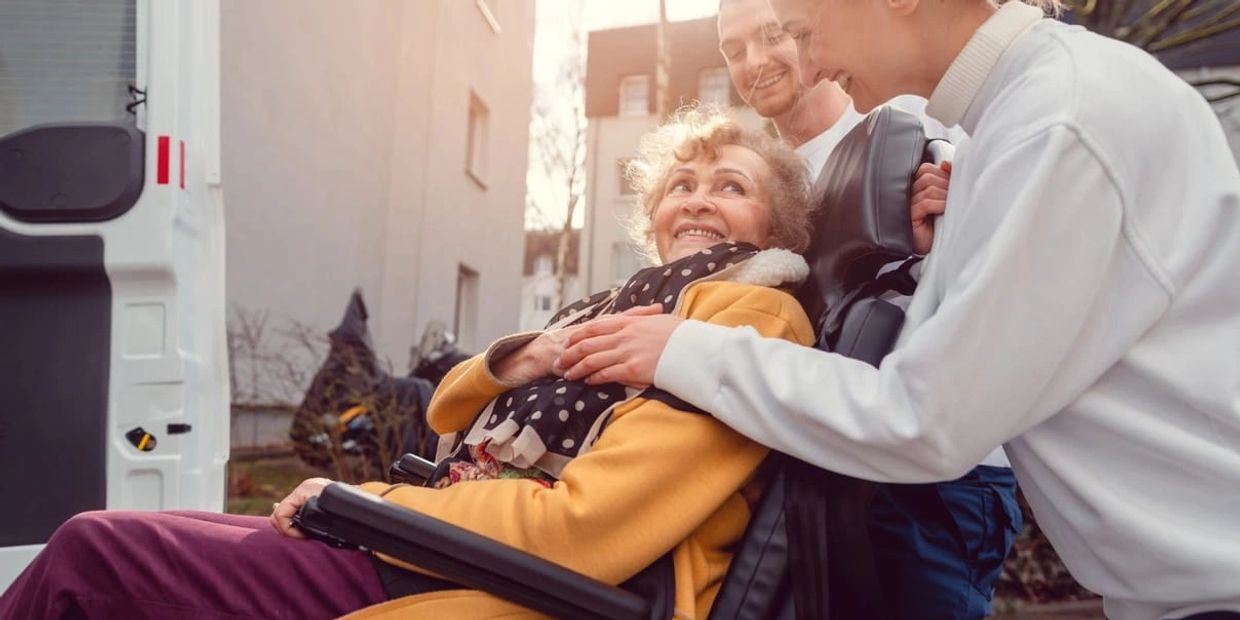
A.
pixel 841 40
pixel 707 202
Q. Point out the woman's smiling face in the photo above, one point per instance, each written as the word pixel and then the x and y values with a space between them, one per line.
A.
pixel 707 202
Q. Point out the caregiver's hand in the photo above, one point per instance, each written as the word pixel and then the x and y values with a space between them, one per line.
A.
pixel 929 200
pixel 282 512
pixel 535 360
pixel 624 348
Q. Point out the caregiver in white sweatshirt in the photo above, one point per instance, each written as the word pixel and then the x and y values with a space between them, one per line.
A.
pixel 1081 305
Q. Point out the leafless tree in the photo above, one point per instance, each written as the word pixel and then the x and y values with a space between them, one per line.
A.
pixel 246 339
pixel 270 366
pixel 558 129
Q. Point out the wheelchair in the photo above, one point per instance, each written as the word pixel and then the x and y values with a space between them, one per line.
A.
pixel 806 551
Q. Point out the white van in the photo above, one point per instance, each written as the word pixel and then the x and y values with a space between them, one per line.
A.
pixel 113 365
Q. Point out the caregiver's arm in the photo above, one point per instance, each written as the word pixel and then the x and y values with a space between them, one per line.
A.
pixel 1031 315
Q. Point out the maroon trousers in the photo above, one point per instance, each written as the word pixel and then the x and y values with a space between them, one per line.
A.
pixel 118 564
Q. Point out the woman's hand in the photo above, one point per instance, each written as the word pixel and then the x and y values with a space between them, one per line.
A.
pixel 535 359
pixel 929 201
pixel 283 511
pixel 624 348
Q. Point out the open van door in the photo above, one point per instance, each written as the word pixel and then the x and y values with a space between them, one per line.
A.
pixel 113 364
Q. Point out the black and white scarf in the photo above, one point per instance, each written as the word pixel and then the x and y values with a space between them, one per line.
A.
pixel 534 430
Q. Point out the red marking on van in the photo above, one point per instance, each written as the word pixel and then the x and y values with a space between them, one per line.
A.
pixel 161 173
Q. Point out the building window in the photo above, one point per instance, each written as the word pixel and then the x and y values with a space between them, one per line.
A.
pixel 488 15
pixel 63 62
pixel 476 145
pixel 635 95
pixel 465 325
pixel 715 87
pixel 543 265
pixel 542 303
pixel 626 186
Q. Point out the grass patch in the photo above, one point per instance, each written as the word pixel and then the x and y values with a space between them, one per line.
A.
pixel 255 484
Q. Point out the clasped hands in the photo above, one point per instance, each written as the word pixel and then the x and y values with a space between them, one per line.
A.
pixel 622 348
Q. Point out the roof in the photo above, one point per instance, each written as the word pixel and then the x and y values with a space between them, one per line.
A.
pixel 547 243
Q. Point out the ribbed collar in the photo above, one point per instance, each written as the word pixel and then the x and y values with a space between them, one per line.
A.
pixel 964 78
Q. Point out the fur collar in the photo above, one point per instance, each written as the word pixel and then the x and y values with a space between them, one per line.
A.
pixel 773 267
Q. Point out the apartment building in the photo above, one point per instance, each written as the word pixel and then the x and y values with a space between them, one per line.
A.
pixel 538 294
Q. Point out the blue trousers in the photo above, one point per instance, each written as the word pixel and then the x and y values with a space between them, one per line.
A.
pixel 939 548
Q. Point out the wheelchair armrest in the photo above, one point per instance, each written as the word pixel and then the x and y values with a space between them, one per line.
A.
pixel 411 469
pixel 346 513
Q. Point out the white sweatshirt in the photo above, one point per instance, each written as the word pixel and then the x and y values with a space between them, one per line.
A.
pixel 1081 305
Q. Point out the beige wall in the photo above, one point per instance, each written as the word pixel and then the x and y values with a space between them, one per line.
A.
pixel 343 141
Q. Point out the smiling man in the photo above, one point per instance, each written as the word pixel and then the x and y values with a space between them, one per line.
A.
pixel 938 547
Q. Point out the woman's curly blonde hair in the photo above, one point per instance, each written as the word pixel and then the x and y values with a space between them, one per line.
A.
pixel 698 132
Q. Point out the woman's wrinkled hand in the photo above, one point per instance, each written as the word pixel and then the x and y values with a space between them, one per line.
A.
pixel 535 359
pixel 623 348
pixel 929 200
pixel 282 512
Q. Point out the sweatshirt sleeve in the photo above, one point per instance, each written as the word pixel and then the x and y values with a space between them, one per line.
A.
pixel 654 476
pixel 1031 273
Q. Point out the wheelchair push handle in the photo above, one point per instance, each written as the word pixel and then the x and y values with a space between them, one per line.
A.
pixel 938 151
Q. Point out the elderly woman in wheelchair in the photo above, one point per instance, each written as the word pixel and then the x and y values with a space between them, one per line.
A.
pixel 602 479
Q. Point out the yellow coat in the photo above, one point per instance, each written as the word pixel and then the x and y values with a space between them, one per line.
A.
pixel 656 480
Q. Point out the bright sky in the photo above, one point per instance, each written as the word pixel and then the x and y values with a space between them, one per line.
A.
pixel 551 43
pixel 555 16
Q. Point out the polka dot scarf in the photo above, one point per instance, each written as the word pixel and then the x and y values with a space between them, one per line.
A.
pixel 533 431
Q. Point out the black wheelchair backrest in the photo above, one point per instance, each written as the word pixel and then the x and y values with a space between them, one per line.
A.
pixel 862 220
pixel 809 553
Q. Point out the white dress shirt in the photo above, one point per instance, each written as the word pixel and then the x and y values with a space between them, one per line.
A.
pixel 1081 305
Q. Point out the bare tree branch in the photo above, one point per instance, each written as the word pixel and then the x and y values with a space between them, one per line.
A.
pixel 558 129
